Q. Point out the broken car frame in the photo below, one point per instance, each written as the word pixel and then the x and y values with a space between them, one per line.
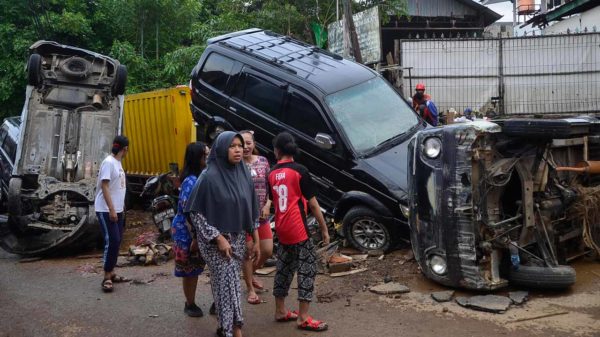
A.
pixel 505 201
pixel 72 112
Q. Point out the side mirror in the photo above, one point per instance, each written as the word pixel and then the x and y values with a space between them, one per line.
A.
pixel 324 141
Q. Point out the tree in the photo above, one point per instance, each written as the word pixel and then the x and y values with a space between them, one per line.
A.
pixel 159 41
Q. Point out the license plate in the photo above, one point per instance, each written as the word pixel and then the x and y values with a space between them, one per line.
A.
pixel 159 217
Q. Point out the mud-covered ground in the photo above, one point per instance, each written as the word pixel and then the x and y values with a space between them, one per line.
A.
pixel 62 297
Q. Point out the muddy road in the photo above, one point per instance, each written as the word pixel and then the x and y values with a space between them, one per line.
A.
pixel 62 297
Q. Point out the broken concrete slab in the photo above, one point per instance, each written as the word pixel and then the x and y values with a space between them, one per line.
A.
pixel 443 296
pixel 462 301
pixel 518 297
pixel 488 303
pixel 389 288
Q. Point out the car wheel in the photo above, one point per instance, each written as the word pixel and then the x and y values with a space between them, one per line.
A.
pixel 19 226
pixel 543 277
pixel 118 87
pixel 365 230
pixel 14 197
pixel 76 68
pixel 34 70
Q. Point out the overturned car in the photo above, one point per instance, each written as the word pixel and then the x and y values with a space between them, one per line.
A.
pixel 506 201
pixel 72 111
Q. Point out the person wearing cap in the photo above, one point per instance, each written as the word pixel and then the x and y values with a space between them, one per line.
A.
pixel 423 104
pixel 420 96
pixel 110 207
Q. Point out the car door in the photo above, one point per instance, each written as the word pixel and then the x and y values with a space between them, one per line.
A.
pixel 213 81
pixel 257 100
pixel 303 117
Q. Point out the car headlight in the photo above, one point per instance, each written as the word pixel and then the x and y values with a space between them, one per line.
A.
pixel 432 147
pixel 438 264
pixel 405 210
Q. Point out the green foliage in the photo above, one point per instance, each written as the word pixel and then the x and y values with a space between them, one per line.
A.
pixel 159 41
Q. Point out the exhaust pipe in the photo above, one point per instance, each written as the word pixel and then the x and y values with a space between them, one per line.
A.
pixel 583 167
pixel 97 101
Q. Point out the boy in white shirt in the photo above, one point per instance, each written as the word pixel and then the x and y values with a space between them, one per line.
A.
pixel 110 208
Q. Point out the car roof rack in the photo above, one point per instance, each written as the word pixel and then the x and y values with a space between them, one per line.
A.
pixel 258 56
pixel 255 48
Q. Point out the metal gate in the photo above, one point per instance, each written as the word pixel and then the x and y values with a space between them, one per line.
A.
pixel 513 76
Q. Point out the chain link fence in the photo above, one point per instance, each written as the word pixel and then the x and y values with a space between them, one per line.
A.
pixel 507 76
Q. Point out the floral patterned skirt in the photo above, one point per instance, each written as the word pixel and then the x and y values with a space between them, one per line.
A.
pixel 187 263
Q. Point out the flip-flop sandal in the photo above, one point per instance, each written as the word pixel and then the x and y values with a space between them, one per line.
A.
pixel 107 285
pixel 254 299
pixel 289 316
pixel 313 325
pixel 119 279
pixel 257 285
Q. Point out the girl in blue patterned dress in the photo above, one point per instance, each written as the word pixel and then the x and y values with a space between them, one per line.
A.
pixel 188 262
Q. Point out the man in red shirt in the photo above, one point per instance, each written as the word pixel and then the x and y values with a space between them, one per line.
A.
pixel 290 186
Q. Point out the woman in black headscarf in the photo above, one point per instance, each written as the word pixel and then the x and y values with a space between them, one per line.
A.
pixel 223 208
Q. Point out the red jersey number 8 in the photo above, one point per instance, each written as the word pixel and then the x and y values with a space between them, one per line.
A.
pixel 282 193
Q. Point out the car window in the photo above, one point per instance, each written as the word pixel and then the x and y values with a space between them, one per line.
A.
pixel 10 147
pixel 371 113
pixel 3 133
pixel 304 116
pixel 261 94
pixel 216 70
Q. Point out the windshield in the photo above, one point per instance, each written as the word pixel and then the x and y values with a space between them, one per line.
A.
pixel 371 113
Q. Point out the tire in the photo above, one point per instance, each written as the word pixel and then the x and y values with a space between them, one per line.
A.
pixel 18 226
pixel 34 70
pixel 365 230
pixel 120 82
pixel 14 197
pixel 543 277
pixel 76 68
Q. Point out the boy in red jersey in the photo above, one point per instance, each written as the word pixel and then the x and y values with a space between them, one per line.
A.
pixel 290 186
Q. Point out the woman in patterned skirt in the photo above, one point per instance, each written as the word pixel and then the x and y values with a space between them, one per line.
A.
pixel 188 263
pixel 223 208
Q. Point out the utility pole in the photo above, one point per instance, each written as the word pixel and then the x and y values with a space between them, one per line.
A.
pixel 350 28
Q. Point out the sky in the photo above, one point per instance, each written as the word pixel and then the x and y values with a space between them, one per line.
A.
pixel 503 8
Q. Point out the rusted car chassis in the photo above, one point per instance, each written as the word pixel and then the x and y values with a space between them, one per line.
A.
pixel 72 111
pixel 511 201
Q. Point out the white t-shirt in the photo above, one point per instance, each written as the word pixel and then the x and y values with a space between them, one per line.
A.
pixel 112 170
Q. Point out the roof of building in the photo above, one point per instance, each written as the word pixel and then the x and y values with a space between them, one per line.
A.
pixel 567 9
pixel 451 8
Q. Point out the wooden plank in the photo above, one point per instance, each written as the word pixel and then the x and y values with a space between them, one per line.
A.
pixel 265 271
pixel 346 273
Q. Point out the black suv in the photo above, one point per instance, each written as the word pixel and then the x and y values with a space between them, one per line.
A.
pixel 351 125
pixel 9 136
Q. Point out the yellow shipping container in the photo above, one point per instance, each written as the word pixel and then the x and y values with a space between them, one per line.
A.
pixel 159 126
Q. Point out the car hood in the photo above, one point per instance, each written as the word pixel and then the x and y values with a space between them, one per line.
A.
pixel 390 168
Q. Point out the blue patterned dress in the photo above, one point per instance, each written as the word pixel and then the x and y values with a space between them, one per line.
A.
pixel 186 262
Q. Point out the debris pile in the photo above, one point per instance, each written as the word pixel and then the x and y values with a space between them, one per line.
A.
pixel 146 251
pixel 152 253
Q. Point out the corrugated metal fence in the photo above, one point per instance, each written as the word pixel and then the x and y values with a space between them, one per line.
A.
pixel 528 75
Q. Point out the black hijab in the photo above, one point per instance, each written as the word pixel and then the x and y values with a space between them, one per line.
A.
pixel 224 193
